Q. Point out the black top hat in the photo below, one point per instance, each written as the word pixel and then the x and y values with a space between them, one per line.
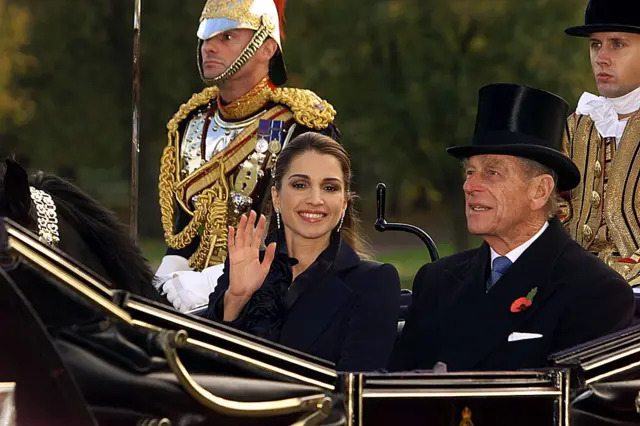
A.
pixel 609 16
pixel 523 122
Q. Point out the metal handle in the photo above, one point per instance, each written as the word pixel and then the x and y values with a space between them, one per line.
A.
pixel 382 225
pixel 319 404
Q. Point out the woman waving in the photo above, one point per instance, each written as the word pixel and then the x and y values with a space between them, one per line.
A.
pixel 312 289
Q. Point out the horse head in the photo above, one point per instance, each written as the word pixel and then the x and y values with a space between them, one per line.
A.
pixel 15 199
pixel 64 216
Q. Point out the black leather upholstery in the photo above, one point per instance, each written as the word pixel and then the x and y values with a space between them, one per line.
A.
pixel 607 404
pixel 405 302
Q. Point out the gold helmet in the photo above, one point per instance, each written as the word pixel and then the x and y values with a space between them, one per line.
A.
pixel 263 16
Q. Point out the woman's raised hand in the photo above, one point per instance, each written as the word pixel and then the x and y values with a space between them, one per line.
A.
pixel 246 272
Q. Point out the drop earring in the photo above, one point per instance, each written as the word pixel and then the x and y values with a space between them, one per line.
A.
pixel 340 225
pixel 278 217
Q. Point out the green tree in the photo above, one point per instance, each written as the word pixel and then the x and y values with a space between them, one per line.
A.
pixel 404 76
pixel 81 90
pixel 15 108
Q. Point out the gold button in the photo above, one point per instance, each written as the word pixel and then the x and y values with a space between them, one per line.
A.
pixel 597 169
pixel 595 199
pixel 587 233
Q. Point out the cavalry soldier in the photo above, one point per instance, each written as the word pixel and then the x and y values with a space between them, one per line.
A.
pixel 603 138
pixel 223 143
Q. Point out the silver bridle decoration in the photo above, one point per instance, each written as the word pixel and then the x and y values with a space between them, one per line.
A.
pixel 47 219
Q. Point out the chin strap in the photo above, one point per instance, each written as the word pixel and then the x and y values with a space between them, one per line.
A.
pixel 258 39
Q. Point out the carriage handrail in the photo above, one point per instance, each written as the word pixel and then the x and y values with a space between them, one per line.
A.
pixel 382 225
pixel 318 404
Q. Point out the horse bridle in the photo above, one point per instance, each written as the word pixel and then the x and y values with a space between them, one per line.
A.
pixel 47 217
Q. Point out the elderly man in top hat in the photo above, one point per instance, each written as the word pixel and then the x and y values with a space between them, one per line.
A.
pixel 530 289
pixel 603 138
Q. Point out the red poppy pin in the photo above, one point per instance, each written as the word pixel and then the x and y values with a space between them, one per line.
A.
pixel 521 304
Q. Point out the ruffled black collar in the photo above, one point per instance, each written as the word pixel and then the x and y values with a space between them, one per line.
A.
pixel 268 307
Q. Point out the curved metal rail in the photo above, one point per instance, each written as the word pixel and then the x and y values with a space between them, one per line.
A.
pixel 319 405
pixel 382 225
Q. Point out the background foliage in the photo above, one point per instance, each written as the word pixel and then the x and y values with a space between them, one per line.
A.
pixel 402 74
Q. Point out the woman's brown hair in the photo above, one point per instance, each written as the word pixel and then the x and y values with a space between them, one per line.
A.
pixel 316 142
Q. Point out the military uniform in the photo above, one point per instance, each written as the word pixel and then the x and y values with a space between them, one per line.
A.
pixel 219 157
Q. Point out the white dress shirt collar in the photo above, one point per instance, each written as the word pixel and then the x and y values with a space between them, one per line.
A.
pixel 514 254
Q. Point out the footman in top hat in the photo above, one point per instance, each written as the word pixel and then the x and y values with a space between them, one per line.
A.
pixel 529 290
pixel 603 136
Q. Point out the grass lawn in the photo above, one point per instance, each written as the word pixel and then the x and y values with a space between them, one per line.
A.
pixel 409 260
pixel 406 260
pixel 153 250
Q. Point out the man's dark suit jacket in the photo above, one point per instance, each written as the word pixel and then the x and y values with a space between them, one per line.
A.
pixel 453 319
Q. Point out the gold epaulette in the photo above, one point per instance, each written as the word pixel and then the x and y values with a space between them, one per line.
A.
pixel 196 100
pixel 308 108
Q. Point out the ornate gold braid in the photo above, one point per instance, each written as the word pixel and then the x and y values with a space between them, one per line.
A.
pixel 213 243
pixel 168 173
pixel 210 209
pixel 307 107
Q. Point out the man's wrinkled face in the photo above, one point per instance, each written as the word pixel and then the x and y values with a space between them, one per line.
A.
pixel 220 51
pixel 615 60
pixel 497 195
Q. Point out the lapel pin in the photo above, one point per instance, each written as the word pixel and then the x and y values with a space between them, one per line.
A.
pixel 522 303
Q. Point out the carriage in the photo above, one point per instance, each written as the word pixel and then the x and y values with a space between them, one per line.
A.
pixel 87 346
pixel 81 350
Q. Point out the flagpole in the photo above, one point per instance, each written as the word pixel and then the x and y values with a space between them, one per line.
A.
pixel 135 136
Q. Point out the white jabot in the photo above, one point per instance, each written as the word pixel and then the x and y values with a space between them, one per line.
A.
pixel 604 111
pixel 514 254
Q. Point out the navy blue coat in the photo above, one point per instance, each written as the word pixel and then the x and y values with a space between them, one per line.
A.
pixel 346 312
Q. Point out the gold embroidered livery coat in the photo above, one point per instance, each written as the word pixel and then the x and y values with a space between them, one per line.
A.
pixel 603 212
